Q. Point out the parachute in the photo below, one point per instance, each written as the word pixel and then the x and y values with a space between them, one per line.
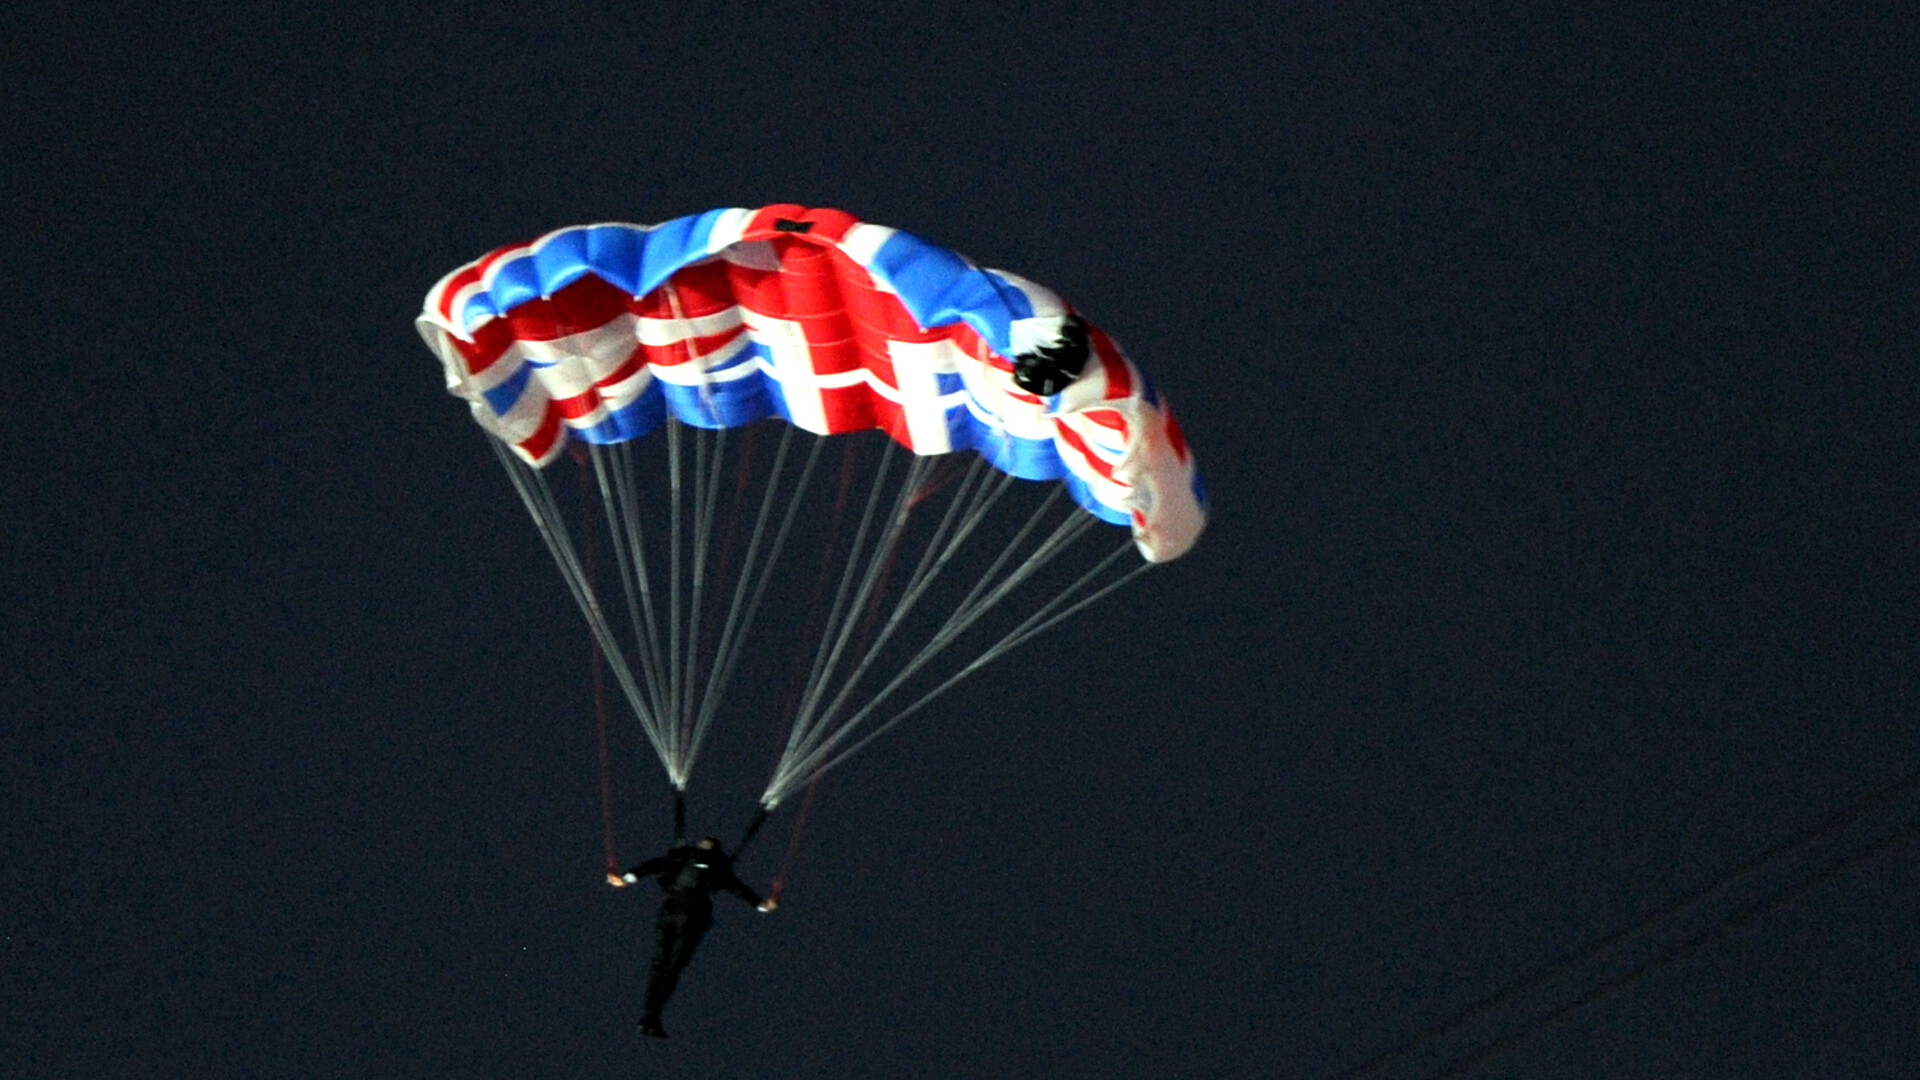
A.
pixel 665 357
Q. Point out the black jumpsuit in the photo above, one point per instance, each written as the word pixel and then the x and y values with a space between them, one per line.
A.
pixel 690 875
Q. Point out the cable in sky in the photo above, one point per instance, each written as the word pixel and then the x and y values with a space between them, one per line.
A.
pixel 1664 921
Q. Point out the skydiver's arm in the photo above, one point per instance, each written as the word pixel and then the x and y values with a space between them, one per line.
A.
pixel 657 864
pixel 734 885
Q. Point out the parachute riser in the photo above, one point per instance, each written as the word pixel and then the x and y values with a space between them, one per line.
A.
pixel 753 828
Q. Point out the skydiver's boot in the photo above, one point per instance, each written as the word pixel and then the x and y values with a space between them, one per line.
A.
pixel 650 1026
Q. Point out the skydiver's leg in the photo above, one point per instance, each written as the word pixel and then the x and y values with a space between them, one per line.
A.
pixel 681 927
pixel 668 928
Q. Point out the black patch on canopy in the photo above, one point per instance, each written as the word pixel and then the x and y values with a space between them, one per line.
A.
pixel 1047 371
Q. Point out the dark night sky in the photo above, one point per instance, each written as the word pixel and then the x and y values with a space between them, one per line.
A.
pixel 1554 378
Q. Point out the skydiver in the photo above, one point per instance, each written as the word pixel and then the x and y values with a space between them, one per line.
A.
pixel 689 874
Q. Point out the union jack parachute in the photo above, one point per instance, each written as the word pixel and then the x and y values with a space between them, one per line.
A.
pixel 603 335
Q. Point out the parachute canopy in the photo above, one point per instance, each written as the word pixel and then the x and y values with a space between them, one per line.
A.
pixel 921 575
pixel 720 319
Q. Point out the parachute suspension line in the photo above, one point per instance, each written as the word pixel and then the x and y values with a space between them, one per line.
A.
pixel 599 692
pixel 635 501
pixel 706 495
pixel 810 628
pixel 632 502
pixel 830 634
pixel 624 508
pixel 970 609
pixel 797 734
pixel 887 553
pixel 689 645
pixel 680 680
pixel 804 744
pixel 1070 528
pixel 534 492
pixel 920 579
pixel 673 591
pixel 977 500
pixel 1032 627
pixel 740 616
pixel 606 763
pixel 817 752
pixel 1050 614
pixel 879 559
pixel 709 454
pixel 923 575
pixel 623 524
pixel 730 572
pixel 931 553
